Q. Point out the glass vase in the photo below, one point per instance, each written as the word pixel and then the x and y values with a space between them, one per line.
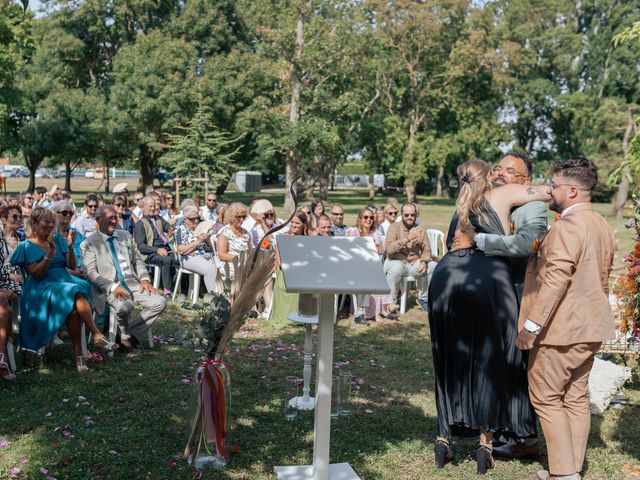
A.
pixel 206 446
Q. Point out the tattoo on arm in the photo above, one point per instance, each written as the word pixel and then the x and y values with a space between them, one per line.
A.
pixel 531 191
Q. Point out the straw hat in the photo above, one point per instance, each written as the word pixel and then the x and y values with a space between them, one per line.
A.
pixel 261 206
pixel 120 187
pixel 203 227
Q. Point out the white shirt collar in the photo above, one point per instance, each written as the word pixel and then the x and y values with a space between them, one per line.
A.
pixel 107 237
pixel 568 209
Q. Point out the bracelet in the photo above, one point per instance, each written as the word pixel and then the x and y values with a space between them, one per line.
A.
pixel 47 258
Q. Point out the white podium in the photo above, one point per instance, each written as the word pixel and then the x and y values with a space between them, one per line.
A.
pixel 327 266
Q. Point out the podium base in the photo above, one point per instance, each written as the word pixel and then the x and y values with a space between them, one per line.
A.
pixel 301 404
pixel 337 471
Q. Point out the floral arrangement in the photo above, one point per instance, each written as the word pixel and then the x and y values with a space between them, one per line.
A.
pixel 220 316
pixel 627 286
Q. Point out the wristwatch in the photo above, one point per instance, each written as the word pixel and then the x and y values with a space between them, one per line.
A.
pixel 532 327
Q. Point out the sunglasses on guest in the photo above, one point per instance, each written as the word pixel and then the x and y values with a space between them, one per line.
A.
pixel 93 205
pixel 195 219
pixel 118 204
pixel 393 214
pixel 367 217
pixel 65 213
pixel 15 217
pixel 408 215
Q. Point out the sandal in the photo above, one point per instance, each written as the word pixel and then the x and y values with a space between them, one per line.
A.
pixel 5 371
pixel 105 345
pixel 30 358
pixel 81 364
pixel 443 453
pixel 484 458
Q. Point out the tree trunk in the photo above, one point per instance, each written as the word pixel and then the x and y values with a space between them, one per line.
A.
pixel 439 182
pixel 220 189
pixel 623 188
pixel 107 178
pixel 294 113
pixel 409 178
pixel 32 180
pixel 323 186
pixel 67 176
pixel 146 167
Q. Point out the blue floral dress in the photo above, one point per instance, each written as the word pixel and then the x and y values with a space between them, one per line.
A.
pixel 45 304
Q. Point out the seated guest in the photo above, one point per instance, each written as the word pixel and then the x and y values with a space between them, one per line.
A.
pixel 265 219
pixel 232 240
pixel 50 295
pixel 317 208
pixel 117 272
pixel 171 211
pixel 283 303
pixel 86 221
pixel 13 200
pixel 311 221
pixel 11 218
pixel 125 217
pixel 9 291
pixel 390 217
pixel 137 207
pixel 196 250
pixel 370 307
pixel 151 235
pixel 408 254
pixel 324 226
pixel 64 212
pixel 209 211
pixel 337 221
pixel 41 197
pixel 219 223
pixel 26 204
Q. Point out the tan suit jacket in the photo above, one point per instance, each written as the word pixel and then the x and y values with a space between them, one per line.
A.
pixel 567 281
pixel 98 264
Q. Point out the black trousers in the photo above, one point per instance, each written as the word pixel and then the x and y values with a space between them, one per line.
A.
pixel 167 268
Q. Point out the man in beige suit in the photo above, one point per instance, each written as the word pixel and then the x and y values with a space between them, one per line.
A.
pixel 118 274
pixel 565 316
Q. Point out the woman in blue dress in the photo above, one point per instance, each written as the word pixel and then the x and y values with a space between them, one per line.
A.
pixel 51 296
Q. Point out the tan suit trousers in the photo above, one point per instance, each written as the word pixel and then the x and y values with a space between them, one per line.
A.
pixel 559 392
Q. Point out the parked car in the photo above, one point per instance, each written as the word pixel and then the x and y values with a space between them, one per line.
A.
pixel 163 176
pixel 89 174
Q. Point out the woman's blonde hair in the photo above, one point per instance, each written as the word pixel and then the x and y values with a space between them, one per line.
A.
pixel 234 209
pixel 38 214
pixel 473 176
pixel 360 226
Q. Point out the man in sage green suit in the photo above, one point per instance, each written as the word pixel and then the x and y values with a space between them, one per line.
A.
pixel 529 224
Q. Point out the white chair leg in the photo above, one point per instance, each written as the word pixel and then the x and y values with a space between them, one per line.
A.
pixel 83 341
pixel 175 289
pixel 156 277
pixel 113 327
pixel 403 296
pixel 354 304
pixel 150 337
pixel 196 288
pixel 10 355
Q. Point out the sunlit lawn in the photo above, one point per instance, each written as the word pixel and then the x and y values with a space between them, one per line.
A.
pixel 134 420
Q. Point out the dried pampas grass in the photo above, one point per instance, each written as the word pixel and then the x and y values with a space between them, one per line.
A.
pixel 251 277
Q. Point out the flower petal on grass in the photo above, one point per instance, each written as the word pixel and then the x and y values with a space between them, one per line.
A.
pixel 4 443
pixel 44 471
pixel 111 451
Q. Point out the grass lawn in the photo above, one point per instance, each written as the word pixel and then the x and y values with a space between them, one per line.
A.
pixel 134 419
pixel 133 422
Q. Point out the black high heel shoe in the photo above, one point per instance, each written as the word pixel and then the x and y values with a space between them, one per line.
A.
pixel 443 453
pixel 484 459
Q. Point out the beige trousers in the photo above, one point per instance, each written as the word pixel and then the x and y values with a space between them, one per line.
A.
pixel 559 392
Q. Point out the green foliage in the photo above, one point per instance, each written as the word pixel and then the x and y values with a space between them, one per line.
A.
pixel 202 149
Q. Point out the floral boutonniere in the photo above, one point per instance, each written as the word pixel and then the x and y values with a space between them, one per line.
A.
pixel 535 246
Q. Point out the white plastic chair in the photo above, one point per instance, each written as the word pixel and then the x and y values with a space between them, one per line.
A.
pixel 194 284
pixel 436 240
pixel 113 331
pixel 15 320
pixel 156 276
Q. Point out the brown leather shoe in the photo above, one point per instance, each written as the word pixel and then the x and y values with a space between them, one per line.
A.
pixel 517 450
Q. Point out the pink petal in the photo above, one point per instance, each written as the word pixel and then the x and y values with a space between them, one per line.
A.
pixel 4 444
pixel 111 451
pixel 24 461
pixel 43 470
pixel 15 470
